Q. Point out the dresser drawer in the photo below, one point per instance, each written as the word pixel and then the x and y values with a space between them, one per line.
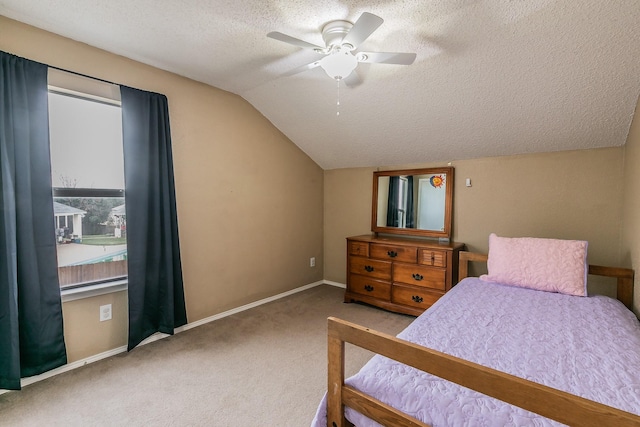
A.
pixel 359 249
pixel 370 267
pixel 413 296
pixel 393 253
pixel 433 258
pixel 369 287
pixel 418 275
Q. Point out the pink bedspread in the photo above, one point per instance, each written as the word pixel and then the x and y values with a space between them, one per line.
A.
pixel 587 346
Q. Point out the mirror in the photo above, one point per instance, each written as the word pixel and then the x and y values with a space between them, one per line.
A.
pixel 414 202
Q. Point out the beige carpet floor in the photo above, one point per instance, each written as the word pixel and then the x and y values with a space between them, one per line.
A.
pixel 262 367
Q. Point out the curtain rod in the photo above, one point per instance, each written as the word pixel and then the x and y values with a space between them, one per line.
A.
pixel 81 74
pixel 99 79
pixel 84 75
pixel 65 70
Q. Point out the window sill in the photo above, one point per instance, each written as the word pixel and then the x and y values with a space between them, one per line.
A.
pixel 93 290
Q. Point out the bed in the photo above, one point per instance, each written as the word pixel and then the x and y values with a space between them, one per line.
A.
pixel 490 354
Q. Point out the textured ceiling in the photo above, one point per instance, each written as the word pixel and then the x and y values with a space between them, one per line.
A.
pixel 494 77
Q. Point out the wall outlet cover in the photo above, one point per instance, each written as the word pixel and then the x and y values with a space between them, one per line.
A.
pixel 105 312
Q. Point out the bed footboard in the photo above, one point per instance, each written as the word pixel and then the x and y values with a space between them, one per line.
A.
pixel 567 408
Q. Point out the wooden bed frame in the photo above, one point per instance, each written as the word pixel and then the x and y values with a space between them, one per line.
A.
pixel 546 401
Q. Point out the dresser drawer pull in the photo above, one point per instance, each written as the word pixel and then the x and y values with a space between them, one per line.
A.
pixel 368 268
pixel 417 276
pixel 368 288
pixel 392 254
pixel 416 298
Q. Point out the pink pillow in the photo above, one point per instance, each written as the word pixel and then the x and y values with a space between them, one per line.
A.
pixel 550 265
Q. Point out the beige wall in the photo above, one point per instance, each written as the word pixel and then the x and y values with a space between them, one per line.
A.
pixel 84 335
pixel 347 212
pixel 249 201
pixel 571 195
pixel 631 214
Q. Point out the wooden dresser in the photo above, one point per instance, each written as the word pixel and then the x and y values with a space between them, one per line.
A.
pixel 400 274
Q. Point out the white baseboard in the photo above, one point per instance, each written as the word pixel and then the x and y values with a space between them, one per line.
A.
pixel 69 367
pixel 157 336
pixel 247 306
pixel 336 284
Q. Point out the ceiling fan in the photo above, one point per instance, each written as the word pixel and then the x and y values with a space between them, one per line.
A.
pixel 342 39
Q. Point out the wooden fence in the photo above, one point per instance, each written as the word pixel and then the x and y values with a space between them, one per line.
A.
pixel 76 274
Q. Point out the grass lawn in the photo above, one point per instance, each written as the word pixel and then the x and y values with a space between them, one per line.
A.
pixel 103 240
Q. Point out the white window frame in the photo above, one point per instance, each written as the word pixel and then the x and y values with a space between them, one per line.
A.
pixel 70 84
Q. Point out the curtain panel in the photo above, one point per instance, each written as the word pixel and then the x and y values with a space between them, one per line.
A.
pixel 31 328
pixel 410 204
pixel 156 294
pixel 392 202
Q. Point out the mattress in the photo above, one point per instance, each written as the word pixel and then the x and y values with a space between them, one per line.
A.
pixel 587 346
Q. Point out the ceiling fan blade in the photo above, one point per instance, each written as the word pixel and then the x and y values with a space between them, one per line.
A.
pixel 362 29
pixel 292 40
pixel 399 58
pixel 302 68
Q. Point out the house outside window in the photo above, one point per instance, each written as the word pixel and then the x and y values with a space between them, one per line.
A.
pixel 87 169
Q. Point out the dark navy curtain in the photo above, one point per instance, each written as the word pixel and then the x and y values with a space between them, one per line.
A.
pixel 392 202
pixel 156 295
pixel 411 214
pixel 31 330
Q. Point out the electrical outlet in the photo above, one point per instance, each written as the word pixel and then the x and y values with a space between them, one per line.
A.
pixel 105 312
pixel 312 261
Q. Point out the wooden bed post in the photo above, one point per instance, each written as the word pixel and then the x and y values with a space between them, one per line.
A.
pixel 624 278
pixel 465 257
pixel 335 407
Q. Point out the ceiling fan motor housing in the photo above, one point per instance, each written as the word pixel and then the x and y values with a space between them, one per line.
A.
pixel 334 31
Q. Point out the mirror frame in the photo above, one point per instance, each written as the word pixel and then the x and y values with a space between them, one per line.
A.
pixel 448 213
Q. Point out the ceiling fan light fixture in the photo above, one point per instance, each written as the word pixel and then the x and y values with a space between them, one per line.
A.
pixel 339 64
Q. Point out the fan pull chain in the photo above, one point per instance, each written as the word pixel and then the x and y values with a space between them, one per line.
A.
pixel 338 102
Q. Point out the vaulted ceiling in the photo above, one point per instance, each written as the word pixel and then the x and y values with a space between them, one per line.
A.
pixel 492 77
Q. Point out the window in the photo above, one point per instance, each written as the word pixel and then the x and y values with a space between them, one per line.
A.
pixel 87 170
